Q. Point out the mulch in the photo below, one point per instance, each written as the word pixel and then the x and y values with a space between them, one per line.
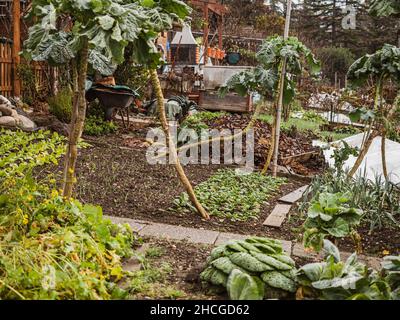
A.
pixel 295 148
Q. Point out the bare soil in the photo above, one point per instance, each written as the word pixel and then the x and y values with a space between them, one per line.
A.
pixel 114 173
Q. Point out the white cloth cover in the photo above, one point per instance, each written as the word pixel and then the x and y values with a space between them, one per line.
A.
pixel 372 163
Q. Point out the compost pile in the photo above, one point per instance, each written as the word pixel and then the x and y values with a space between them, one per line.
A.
pixel 295 148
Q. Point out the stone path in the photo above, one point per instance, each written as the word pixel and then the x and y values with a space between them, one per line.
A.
pixel 209 237
pixel 280 212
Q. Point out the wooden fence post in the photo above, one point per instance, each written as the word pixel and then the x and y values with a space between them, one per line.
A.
pixel 16 46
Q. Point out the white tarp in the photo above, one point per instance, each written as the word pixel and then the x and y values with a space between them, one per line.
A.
pixel 372 163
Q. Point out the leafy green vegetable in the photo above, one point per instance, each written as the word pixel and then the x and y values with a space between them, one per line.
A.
pixel 21 152
pixel 229 195
pixel 264 78
pixel 108 25
pixel 337 280
pixel 391 268
pixel 384 63
pixel 251 274
pixel 329 215
pixel 242 286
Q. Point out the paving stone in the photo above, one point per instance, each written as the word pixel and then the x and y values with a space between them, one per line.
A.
pixel 224 237
pixel 179 233
pixel 277 216
pixel 299 251
pixel 294 196
pixel 287 246
pixel 133 264
pixel 372 262
pixel 135 225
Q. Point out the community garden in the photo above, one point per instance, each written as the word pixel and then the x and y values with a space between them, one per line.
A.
pixel 84 213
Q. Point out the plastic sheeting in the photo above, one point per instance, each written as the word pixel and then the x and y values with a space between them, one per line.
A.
pixel 372 163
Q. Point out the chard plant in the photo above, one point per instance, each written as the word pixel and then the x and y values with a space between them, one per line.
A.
pixel 382 66
pixel 265 78
pixel 330 215
pixel 93 34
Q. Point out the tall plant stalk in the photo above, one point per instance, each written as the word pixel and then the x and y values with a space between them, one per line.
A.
pixel 171 144
pixel 277 131
pixel 77 121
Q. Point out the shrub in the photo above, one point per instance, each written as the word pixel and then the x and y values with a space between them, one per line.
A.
pixel 61 105
pixel 52 248
pixel 335 60
pixel 97 126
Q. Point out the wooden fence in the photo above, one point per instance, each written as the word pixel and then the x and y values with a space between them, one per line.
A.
pixel 6 72
pixel 40 72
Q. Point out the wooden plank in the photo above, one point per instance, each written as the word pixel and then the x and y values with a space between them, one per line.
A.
pixel 231 102
pixel 294 196
pixel 277 216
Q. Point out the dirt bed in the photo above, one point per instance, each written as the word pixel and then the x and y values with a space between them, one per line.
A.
pixel 125 185
pixel 115 174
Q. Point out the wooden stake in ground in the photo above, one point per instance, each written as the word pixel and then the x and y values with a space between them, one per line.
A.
pixel 278 118
pixel 171 144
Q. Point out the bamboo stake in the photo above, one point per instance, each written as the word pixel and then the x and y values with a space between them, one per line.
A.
pixel 280 101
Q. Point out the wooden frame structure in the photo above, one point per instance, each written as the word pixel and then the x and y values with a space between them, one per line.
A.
pixel 10 46
pixel 12 32
pixel 220 10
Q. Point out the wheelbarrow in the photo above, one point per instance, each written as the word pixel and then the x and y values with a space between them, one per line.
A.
pixel 111 98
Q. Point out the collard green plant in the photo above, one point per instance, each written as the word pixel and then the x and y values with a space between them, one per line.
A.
pixel 264 78
pixel 251 268
pixel 329 215
pixel 381 65
pixel 334 279
pixel 341 155
pixel 108 25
